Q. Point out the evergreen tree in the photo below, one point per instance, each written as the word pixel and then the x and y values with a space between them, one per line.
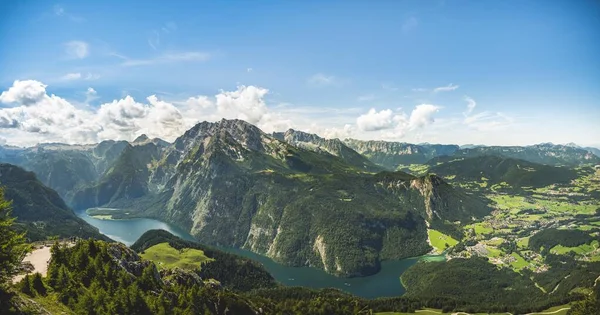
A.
pixel 37 284
pixel 12 244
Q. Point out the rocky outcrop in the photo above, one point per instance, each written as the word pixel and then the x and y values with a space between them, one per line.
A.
pixel 130 261
pixel 178 276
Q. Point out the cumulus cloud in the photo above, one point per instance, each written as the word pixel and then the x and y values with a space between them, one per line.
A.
pixel 374 120
pixel 77 49
pixel 395 125
pixel 447 88
pixel 34 116
pixel 246 103
pixel 31 115
pixel 347 131
pixel 25 92
pixel 422 116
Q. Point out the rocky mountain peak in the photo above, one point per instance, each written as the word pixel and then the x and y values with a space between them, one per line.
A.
pixel 141 138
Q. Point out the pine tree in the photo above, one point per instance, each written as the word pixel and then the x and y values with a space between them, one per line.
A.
pixel 12 244
pixel 37 284
pixel 25 286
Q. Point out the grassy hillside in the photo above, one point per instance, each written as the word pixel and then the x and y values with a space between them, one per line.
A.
pixel 509 172
pixel 233 271
pixel 476 284
pixel 40 210
pixel 166 256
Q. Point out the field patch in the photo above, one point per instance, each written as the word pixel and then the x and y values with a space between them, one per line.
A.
pixel 168 257
pixel 439 240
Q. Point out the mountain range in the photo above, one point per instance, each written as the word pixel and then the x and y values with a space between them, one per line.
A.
pixel 296 197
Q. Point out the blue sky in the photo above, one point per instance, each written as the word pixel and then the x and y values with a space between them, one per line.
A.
pixel 393 70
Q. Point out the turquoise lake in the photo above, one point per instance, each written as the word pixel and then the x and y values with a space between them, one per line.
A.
pixel 386 283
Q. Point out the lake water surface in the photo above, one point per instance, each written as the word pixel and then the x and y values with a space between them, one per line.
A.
pixel 385 283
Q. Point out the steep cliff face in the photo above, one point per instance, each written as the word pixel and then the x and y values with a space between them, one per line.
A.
pixel 392 154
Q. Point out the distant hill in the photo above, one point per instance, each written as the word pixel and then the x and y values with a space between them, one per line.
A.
pixel 40 210
pixel 65 168
pixel 392 154
pixel 497 169
pixel 546 153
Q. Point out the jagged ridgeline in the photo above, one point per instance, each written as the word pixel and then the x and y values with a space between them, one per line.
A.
pixel 39 210
pixel 303 200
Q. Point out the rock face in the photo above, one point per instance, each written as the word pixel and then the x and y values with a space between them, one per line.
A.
pixel 130 261
pixel 392 154
pixel 178 276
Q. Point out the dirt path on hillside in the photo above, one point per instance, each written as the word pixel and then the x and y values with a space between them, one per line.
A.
pixel 39 258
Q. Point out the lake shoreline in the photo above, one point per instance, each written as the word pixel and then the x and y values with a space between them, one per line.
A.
pixel 385 283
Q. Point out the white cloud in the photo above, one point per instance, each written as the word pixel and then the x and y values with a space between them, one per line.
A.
pixel 24 92
pixel 374 120
pixel 484 121
pixel 447 88
pixel 36 116
pixel 420 90
pixel 410 24
pixel 90 95
pixel 347 131
pixel 246 103
pixel 77 49
pixel 71 76
pixel 249 70
pixel 422 116
pixel 168 58
pixel 321 79
pixel 470 105
pixel 79 76
pixel 395 125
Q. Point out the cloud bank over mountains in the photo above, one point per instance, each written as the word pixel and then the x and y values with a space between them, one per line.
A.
pixel 29 115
